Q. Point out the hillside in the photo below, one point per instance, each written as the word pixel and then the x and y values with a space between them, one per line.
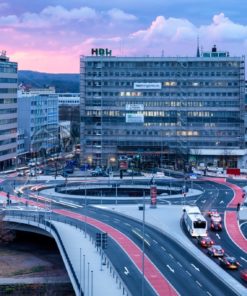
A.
pixel 62 82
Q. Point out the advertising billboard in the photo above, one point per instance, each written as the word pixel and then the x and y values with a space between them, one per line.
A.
pixel 147 85
pixel 153 195
pixel 134 107
pixel 134 118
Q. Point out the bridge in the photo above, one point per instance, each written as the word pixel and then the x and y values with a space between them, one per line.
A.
pixel 85 264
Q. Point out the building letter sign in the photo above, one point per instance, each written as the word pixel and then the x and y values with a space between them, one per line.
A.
pixel 101 51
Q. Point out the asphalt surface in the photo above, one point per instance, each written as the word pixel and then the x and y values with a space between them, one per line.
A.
pixel 213 196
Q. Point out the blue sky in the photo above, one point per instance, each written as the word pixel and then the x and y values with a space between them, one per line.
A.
pixel 50 35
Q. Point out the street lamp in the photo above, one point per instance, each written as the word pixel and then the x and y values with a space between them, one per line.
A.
pixel 143 240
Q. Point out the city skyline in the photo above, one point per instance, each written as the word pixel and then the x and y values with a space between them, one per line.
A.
pixel 49 36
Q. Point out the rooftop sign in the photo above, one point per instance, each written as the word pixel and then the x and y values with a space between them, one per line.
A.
pixel 101 51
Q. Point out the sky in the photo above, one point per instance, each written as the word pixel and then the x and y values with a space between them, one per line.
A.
pixel 50 35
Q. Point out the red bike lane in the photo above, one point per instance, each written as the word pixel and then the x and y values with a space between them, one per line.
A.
pixel 158 282
pixel 231 214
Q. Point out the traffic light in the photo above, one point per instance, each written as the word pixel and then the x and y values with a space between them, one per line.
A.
pixel 8 198
pixel 98 239
pixel 104 240
pixel 121 174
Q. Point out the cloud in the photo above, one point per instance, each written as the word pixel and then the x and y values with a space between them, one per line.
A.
pixel 4 5
pixel 49 16
pixel 119 15
pixel 75 31
pixel 223 29
pixel 162 28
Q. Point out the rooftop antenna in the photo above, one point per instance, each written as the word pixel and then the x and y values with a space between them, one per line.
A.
pixel 162 53
pixel 198 49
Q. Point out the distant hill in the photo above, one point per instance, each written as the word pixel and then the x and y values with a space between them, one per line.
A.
pixel 62 82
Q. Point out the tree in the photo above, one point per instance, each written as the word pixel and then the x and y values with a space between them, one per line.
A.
pixel 7 235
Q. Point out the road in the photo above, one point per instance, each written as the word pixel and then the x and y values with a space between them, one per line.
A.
pixel 177 265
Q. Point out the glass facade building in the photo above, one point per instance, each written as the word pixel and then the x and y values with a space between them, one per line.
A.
pixel 8 111
pixel 165 110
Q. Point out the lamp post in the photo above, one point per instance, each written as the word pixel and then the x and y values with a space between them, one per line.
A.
pixel 143 240
pixel 85 216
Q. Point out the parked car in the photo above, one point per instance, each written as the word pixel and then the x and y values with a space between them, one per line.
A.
pixel 216 251
pixel 229 262
pixel 69 170
pixel 32 173
pixel 20 173
pixel 31 163
pixel 205 241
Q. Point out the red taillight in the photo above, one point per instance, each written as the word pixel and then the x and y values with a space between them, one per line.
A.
pixel 227 263
pixel 203 242
pixel 222 251
pixel 237 263
pixel 212 242
pixel 212 225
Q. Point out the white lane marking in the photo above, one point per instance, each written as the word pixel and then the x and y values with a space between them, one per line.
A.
pixel 209 293
pixel 242 224
pixel 163 248
pixel 188 272
pixel 203 201
pixel 155 241
pixel 198 283
pixel 126 224
pixel 222 201
pixel 169 267
pixel 179 264
pixel 196 268
pixel 126 271
pixel 171 256
pixel 243 259
pixel 217 234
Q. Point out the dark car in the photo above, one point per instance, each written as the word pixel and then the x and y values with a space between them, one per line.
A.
pixel 243 275
pixel 216 226
pixel 216 251
pixel 205 241
pixel 69 170
pixel 229 262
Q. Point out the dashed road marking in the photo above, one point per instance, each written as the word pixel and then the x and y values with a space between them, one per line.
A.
pixel 169 267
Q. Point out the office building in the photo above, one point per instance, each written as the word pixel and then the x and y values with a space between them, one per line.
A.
pixel 8 111
pixel 38 118
pixel 163 110
pixel 69 111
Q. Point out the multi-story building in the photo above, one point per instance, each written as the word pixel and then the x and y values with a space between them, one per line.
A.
pixel 69 110
pixel 164 110
pixel 38 117
pixel 8 111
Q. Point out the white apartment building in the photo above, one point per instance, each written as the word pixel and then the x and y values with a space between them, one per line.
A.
pixel 8 111
pixel 38 117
